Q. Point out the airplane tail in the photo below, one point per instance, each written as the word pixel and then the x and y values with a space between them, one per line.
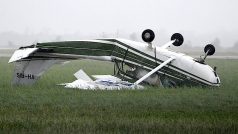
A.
pixel 27 72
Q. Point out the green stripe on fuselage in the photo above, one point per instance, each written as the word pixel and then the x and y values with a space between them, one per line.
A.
pixel 79 48
pixel 120 53
pixel 88 48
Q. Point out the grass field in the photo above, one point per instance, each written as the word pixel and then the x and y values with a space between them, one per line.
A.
pixel 47 108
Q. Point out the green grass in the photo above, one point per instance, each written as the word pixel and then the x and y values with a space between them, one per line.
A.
pixel 47 108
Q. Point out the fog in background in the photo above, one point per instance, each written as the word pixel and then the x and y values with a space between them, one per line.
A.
pixel 24 22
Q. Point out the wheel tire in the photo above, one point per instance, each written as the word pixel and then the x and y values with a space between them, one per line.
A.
pixel 178 39
pixel 210 48
pixel 148 35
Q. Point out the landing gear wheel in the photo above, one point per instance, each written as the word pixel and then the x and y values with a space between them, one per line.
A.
pixel 209 49
pixel 148 35
pixel 178 39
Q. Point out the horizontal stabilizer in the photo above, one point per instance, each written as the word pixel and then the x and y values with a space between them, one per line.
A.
pixel 21 53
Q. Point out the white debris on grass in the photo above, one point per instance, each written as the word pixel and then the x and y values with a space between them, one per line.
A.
pixel 102 82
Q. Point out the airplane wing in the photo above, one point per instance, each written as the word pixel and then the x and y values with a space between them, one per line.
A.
pixel 31 62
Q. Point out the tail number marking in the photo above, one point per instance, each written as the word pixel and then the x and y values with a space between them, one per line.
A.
pixel 27 76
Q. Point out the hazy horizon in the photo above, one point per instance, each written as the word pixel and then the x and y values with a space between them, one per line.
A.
pixel 199 21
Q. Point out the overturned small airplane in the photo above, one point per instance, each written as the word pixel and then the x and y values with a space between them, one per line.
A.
pixel 136 62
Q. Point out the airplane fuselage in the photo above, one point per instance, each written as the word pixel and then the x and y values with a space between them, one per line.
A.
pixel 184 70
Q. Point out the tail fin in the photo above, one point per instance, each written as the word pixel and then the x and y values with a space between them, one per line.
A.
pixel 27 72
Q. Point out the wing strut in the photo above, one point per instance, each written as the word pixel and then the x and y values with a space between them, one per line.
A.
pixel 153 71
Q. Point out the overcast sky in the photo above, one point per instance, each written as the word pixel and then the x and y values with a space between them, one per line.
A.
pixel 215 18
